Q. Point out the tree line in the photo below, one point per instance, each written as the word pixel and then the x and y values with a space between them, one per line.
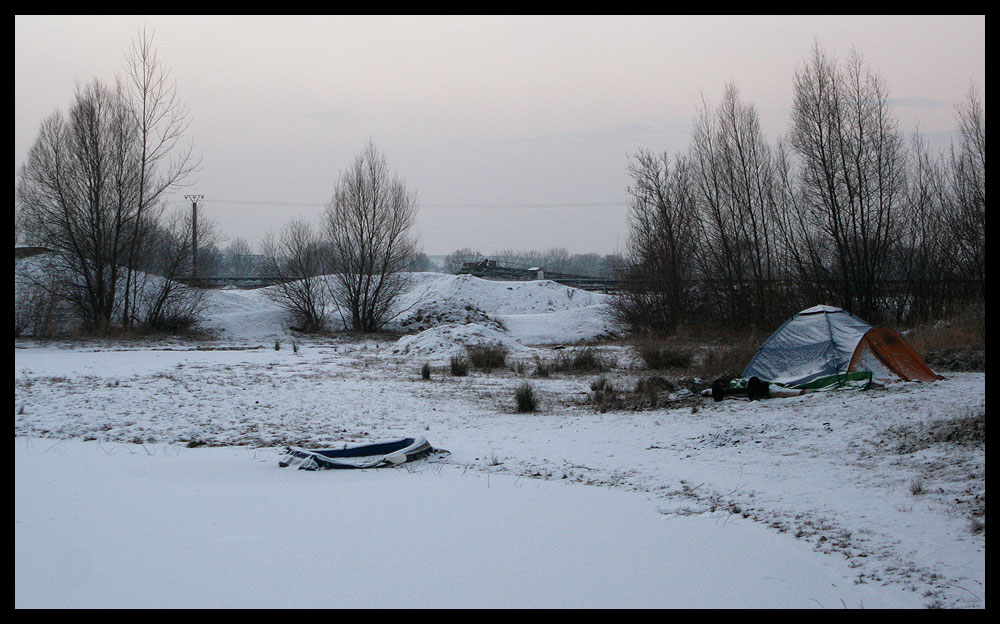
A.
pixel 90 192
pixel 354 264
pixel 844 210
pixel 738 231
pixel 557 259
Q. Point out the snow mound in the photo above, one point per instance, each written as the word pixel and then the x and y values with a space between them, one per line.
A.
pixel 434 299
pixel 535 312
pixel 243 314
pixel 518 313
pixel 561 327
pixel 445 341
pixel 496 297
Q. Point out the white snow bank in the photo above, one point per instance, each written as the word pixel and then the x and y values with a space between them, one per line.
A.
pixel 497 297
pixel 534 312
pixel 561 327
pixel 443 342
pixel 243 314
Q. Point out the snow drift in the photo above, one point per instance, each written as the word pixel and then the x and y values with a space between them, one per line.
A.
pixel 440 314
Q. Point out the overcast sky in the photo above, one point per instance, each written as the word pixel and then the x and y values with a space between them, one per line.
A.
pixel 480 115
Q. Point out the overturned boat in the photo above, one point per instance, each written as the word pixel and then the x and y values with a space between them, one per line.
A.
pixel 380 454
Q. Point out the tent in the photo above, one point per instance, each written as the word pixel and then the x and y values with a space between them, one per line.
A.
pixel 824 346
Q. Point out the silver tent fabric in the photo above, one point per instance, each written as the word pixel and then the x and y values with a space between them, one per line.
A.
pixel 816 342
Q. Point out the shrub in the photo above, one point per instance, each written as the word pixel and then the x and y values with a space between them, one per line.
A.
pixel 541 367
pixel 658 356
pixel 603 395
pixel 583 360
pixel 957 343
pixel 519 367
pixel 649 388
pixel 727 360
pixel 36 302
pixel 649 393
pixel 487 355
pixel 961 331
pixel 425 371
pixel 525 397
pixel 459 366
pixel 36 315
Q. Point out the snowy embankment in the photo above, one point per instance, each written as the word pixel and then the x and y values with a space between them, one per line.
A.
pixel 516 314
pixel 800 502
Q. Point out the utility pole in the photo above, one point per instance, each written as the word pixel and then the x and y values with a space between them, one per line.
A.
pixel 194 232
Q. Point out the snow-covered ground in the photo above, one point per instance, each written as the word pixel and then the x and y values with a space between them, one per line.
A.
pixel 146 474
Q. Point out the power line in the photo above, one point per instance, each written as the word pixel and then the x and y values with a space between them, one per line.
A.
pixel 563 205
pixel 260 203
pixel 315 205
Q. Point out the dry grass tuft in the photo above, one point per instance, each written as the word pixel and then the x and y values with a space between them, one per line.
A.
pixel 487 355
pixel 525 398
pixel 956 344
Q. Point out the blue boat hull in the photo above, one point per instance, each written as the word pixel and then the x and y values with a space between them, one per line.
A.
pixel 380 454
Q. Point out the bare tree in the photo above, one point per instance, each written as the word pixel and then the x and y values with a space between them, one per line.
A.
pixel 78 189
pixel 966 217
pixel 841 212
pixel 506 256
pixel 300 259
pixel 368 224
pixel 587 264
pixel 20 235
pixel 853 166
pixel 555 259
pixel 921 260
pixel 239 258
pixel 453 261
pixel 663 238
pixel 735 192
pixel 422 264
pixel 160 120
pixel 161 301
pixel 90 187
pixel 803 253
